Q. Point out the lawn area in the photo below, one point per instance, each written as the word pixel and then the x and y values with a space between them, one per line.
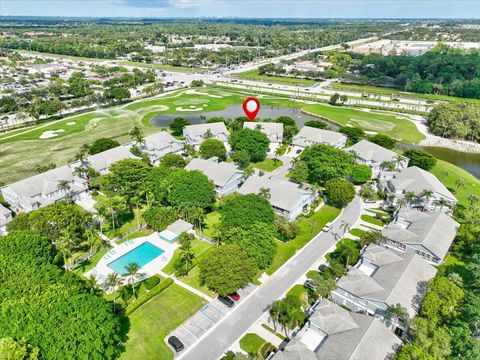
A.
pixel 90 264
pixel 153 321
pixel 193 279
pixel 198 247
pixel 162 66
pixel 251 343
pixel 211 221
pixel 357 232
pixel 254 75
pixel 309 227
pixel 300 292
pixel 141 233
pixel 396 127
pixel 266 165
pixel 372 220
pixel 448 174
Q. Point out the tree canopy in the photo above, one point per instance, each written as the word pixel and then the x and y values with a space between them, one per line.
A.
pixel 361 174
pixel 455 120
pixel 339 192
pixel 254 142
pixel 383 140
pixel 101 145
pixel 213 148
pixel 354 134
pixel 420 158
pixel 186 189
pixel 126 178
pixel 173 161
pixel 243 211
pixel 177 125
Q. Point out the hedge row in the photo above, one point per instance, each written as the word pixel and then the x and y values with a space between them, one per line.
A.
pixel 148 296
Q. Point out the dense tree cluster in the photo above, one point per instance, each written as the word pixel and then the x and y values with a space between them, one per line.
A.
pixel 420 158
pixel 213 148
pixel 243 211
pixel 455 120
pixel 43 307
pixel 339 192
pixel 253 142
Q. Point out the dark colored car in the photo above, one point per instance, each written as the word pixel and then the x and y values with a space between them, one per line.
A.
pixel 369 201
pixel 234 296
pixel 176 343
pixel 226 301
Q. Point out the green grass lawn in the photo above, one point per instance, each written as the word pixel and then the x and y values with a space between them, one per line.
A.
pixel 251 343
pixel 309 227
pixel 357 232
pixel 90 264
pixel 453 173
pixel 193 279
pixel 254 75
pixel 198 247
pixel 266 165
pixel 399 128
pixel 153 321
pixel 300 292
pixel 141 233
pixel 211 221
pixel 372 220
pixel 162 66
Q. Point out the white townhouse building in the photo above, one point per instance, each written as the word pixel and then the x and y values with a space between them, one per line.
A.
pixel 5 217
pixel 427 234
pixel 309 136
pixel 101 161
pixel 333 333
pixel 374 155
pixel 160 144
pixel 286 198
pixel 384 277
pixel 415 180
pixel 274 132
pixel 196 134
pixel 43 189
pixel 226 176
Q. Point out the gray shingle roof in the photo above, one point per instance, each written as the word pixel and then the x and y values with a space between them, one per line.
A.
pixel 369 151
pixel 416 180
pixel 160 140
pixel 274 131
pixel 104 159
pixel 308 134
pixel 331 318
pixel 435 231
pixel 179 226
pixel 283 194
pixel 217 129
pixel 219 173
pixel 394 282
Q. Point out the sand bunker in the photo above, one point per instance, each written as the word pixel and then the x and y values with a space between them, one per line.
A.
pixel 191 101
pixel 70 123
pixel 50 134
pixel 188 109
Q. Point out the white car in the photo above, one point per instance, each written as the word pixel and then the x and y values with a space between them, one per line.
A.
pixel 327 227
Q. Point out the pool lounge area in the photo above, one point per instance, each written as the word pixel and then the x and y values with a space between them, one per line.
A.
pixel 151 252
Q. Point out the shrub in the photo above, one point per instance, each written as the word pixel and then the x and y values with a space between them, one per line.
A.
pixel 151 282
pixel 361 174
pixel 339 192
pixel 213 148
pixel 383 140
pixel 148 296
pixel 420 158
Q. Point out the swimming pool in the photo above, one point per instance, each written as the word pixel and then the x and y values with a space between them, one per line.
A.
pixel 141 255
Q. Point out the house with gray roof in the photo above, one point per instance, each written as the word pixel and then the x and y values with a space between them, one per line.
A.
pixel 5 217
pixel 334 333
pixel 376 156
pixel 427 234
pixel 274 132
pixel 43 189
pixel 101 161
pixel 286 198
pixel 309 136
pixel 415 180
pixel 196 134
pixel 227 177
pixel 384 277
pixel 160 144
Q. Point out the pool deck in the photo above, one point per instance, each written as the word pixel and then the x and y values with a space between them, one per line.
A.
pixel 101 271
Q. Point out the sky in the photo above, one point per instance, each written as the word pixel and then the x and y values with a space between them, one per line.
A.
pixel 246 8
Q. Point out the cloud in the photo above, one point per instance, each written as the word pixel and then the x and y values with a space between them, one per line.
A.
pixel 162 4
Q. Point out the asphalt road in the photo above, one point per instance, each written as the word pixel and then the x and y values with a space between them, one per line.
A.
pixel 220 338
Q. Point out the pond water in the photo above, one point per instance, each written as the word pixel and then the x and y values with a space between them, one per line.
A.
pixel 467 161
pixel 234 111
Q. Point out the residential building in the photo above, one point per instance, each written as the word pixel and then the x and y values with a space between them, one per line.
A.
pixel 427 234
pixel 43 189
pixel 274 132
pixel 175 229
pixel 286 198
pixel 196 134
pixel 376 156
pixel 101 161
pixel 333 333
pixel 226 176
pixel 413 180
pixel 384 277
pixel 160 144
pixel 312 136
pixel 5 217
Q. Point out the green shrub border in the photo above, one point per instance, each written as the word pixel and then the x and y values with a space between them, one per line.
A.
pixel 148 296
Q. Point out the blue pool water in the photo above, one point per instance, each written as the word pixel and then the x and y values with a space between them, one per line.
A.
pixel 141 255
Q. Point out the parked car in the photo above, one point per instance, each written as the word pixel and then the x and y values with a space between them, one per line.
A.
pixel 234 296
pixel 176 343
pixel 309 284
pixel 369 201
pixel 327 227
pixel 226 301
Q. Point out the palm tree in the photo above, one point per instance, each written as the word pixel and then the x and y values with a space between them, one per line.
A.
pixel 112 282
pixel 136 134
pixel 64 185
pixel 133 270
pixel 473 199
pixel 399 160
pixel 401 203
pixel 442 202
pixel 265 193
pixel 410 197
pixel 426 194
pixel 459 183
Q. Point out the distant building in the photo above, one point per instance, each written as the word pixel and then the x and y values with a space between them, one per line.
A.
pixel 274 132
pixel 384 277
pixel 427 234
pixel 286 198
pixel 5 217
pixel 160 144
pixel 375 156
pixel 195 135
pixel 333 333
pixel 309 136
pixel 226 176
pixel 43 189
pixel 415 180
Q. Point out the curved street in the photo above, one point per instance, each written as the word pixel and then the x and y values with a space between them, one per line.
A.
pixel 221 337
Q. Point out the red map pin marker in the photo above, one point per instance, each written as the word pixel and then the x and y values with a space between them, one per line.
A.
pixel 251 107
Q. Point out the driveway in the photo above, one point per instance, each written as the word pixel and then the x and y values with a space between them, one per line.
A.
pixel 226 332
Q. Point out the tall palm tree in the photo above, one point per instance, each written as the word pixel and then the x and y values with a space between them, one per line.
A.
pixel 64 185
pixel 133 270
pixel 442 202
pixel 459 183
pixel 136 134
pixel 112 282
pixel 265 193
pixel 426 194
pixel 473 199
pixel 410 197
